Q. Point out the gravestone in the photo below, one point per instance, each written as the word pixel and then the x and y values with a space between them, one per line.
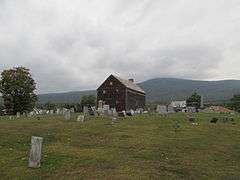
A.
pixel 122 114
pixel 67 115
pixel 130 113
pixel 191 109
pixel 114 112
pixel 85 110
pixel 171 109
pixel 91 111
pixel 72 110
pixel 58 111
pixel 161 109
pixel 100 111
pixel 64 110
pixel 18 114
pixel 100 104
pixel 106 109
pixel 51 112
pixel 35 152
pixel 81 118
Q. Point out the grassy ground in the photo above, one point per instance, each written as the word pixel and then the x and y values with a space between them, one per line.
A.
pixel 139 147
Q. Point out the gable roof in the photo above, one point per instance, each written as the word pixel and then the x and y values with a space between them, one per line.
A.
pixel 129 84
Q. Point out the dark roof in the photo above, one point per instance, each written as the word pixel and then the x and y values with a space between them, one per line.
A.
pixel 129 84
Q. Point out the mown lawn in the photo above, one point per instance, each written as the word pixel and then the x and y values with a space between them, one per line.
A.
pixel 138 147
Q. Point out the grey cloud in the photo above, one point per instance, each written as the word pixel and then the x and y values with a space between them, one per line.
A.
pixel 74 45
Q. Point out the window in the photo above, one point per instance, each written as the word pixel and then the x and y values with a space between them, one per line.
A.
pixel 104 91
pixel 117 90
pixel 111 83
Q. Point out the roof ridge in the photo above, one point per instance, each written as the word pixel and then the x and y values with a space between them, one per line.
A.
pixel 129 84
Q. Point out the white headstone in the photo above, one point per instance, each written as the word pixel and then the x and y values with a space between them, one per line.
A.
pixel 100 104
pixel 72 110
pixel 35 152
pixel 85 110
pixel 51 112
pixel 81 118
pixel 161 109
pixel 67 115
pixel 64 110
pixel 58 111
pixel 18 114
pixel 106 110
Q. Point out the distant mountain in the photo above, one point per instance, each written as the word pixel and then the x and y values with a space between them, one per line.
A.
pixel 166 89
pixel 68 97
pixel 163 90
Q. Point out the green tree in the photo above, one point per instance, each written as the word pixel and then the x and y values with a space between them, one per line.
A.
pixel 88 100
pixel 235 102
pixel 194 100
pixel 17 87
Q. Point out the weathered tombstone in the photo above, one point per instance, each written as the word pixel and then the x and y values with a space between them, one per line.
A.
pixel 90 111
pixel 35 152
pixel 191 109
pixel 122 114
pixel 130 113
pixel 161 109
pixel 58 111
pixel 67 115
pixel 18 114
pixel 100 111
pixel 106 109
pixel 100 104
pixel 64 110
pixel 81 118
pixel 85 110
pixel 72 110
pixel 171 109
pixel 114 112
pixel 51 112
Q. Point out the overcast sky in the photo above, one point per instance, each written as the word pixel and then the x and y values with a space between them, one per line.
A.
pixel 75 44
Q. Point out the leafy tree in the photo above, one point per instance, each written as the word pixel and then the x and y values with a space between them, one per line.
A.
pixel 17 87
pixel 194 100
pixel 235 102
pixel 88 100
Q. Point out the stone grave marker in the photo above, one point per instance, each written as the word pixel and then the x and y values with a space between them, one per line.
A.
pixel 72 110
pixel 58 111
pixel 161 109
pixel 67 115
pixel 51 112
pixel 81 118
pixel 85 110
pixel 35 152
pixel 106 109
pixel 171 109
pixel 18 114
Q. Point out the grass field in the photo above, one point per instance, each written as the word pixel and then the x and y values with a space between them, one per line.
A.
pixel 138 147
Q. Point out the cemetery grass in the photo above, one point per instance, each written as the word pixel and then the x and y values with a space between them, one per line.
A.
pixel 138 147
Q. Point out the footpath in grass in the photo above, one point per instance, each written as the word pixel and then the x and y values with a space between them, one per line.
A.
pixel 138 147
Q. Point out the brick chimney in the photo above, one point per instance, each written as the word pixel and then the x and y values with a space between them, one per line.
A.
pixel 131 80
